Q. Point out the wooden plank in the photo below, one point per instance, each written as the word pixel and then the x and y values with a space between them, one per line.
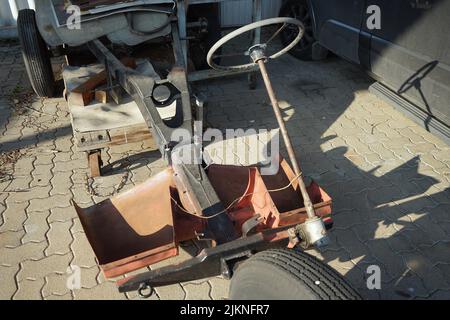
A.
pixel 95 163
pixel 101 96
pixel 105 116
pixel 84 93
pixel 86 141
pixel 131 134
pixel 117 136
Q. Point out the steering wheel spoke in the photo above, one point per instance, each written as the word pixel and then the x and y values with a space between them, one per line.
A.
pixel 227 55
pixel 276 33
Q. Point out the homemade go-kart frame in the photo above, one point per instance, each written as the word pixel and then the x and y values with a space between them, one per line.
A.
pixel 242 215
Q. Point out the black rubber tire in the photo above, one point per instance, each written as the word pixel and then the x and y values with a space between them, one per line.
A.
pixel 199 49
pixel 288 274
pixel 294 8
pixel 35 54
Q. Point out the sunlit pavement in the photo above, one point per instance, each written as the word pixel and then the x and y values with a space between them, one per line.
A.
pixel 388 177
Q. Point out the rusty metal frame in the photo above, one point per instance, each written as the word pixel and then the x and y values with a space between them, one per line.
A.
pixel 190 177
pixel 195 189
pixel 141 89
pixel 209 262
pixel 143 226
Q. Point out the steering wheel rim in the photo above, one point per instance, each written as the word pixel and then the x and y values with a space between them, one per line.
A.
pixel 250 27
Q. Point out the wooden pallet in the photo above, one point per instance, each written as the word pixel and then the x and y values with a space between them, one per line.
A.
pixel 100 125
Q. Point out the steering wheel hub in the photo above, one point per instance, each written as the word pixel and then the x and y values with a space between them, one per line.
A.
pixel 257 52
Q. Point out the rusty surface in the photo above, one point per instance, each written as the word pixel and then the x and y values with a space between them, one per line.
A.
pixel 256 195
pixel 145 224
pixel 134 226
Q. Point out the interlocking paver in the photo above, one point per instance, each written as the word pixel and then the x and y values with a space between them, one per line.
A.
pixel 54 201
pixel 55 285
pixel 28 251
pixel 382 252
pixel 431 276
pixel 80 193
pixel 60 182
pixel 76 226
pixel 411 135
pixel 437 252
pixel 62 156
pixel 42 180
pixel 389 180
pixel 19 184
pixel 82 251
pixel 66 296
pixel 104 291
pixel 399 243
pixel 43 169
pixel 38 269
pixel 90 277
pixel 11 239
pixel 36 226
pixel 29 290
pixel 197 291
pixel 37 192
pixel 219 288
pixel 440 295
pixel 407 286
pixel 61 214
pixel 44 159
pixel 59 238
pixel 15 215
pixel 172 292
pixel 68 166
pixel 8 280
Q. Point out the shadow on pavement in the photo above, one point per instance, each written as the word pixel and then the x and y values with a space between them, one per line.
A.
pixel 382 213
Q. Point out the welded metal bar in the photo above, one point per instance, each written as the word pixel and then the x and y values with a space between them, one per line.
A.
pixel 208 263
pixel 276 108
pixel 193 182
pixel 211 74
pixel 140 88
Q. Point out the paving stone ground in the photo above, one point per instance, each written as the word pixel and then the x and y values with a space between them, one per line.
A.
pixel 389 180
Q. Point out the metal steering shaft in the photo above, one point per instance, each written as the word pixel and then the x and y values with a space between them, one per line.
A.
pixel 312 231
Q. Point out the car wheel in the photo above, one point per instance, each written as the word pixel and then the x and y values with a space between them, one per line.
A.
pixel 198 48
pixel 35 54
pixel 288 274
pixel 299 10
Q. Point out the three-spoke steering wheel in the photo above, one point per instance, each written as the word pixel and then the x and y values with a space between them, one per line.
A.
pixel 248 28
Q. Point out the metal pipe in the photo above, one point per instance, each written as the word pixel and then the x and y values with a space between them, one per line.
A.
pixel 257 16
pixel 307 201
